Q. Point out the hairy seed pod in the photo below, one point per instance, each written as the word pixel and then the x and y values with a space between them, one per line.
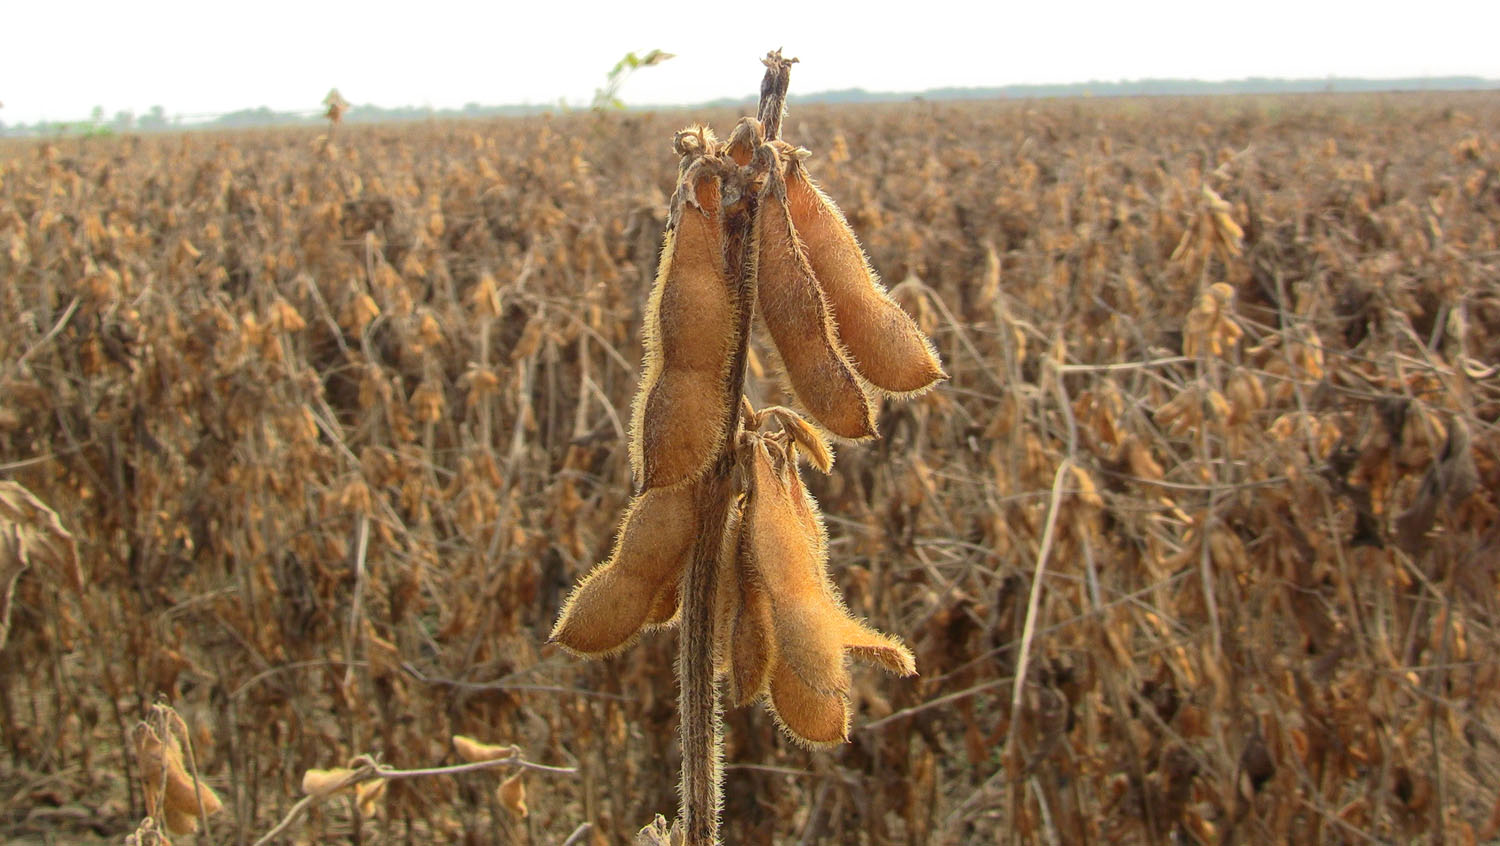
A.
pixel 859 640
pixel 626 593
pixel 885 344
pixel 752 642
pixel 801 324
pixel 679 414
pixel 805 615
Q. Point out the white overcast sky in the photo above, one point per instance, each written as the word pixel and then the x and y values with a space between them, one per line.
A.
pixel 58 60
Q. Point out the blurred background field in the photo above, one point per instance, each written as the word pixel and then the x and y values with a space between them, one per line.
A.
pixel 338 417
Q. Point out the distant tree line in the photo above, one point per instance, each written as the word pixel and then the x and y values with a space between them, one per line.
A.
pixel 157 119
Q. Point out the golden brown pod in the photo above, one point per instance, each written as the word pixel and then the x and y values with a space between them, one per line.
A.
pixel 801 324
pixel 783 553
pixel 678 417
pixel 884 343
pixel 626 593
pixel 806 619
pixel 857 638
pixel 752 651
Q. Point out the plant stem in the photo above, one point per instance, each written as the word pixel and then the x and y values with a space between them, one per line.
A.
pixel 701 788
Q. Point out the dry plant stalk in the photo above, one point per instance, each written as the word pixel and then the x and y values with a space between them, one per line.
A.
pixel 723 534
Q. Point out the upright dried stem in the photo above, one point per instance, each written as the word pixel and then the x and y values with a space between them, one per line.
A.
pixel 698 696
pixel 773 93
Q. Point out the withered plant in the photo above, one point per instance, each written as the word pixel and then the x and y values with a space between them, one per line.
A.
pixel 722 536
pixel 335 428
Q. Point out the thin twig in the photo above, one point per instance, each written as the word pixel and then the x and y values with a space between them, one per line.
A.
pixel 364 768
pixel 934 703
pixel 51 333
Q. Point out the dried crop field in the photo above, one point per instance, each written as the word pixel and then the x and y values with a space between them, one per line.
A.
pixel 336 424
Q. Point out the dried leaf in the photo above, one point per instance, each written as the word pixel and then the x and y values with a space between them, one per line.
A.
pixel 30 532
pixel 512 795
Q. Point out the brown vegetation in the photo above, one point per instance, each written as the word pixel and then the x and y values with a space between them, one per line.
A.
pixel 1198 541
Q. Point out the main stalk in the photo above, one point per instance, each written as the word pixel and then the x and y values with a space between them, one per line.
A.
pixel 698 695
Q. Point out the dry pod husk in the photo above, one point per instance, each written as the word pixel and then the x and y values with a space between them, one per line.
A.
pixel 368 794
pixel 800 323
pixel 783 548
pixel 639 582
pixel 681 408
pixel 885 344
pixel 512 795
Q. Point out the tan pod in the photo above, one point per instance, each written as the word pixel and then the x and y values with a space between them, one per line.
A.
pixel 883 341
pixel 801 325
pixel 678 417
pixel 623 595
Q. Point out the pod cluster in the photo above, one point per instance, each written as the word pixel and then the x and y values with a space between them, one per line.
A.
pixel 782 632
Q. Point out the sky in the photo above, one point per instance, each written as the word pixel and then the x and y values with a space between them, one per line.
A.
pixel 58 61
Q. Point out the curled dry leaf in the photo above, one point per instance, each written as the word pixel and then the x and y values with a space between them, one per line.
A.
pixel 678 416
pixel 323 783
pixel 640 580
pixel 475 751
pixel 813 444
pixel 885 344
pixel 801 324
pixel 512 795
pixel 169 787
pixel 660 833
pixel 31 532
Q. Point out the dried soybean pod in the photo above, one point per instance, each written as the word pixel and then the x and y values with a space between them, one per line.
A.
pixel 857 638
pixel 806 619
pixel 617 598
pixel 813 718
pixel 677 419
pixel 885 344
pixel 801 324
pixel 752 644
